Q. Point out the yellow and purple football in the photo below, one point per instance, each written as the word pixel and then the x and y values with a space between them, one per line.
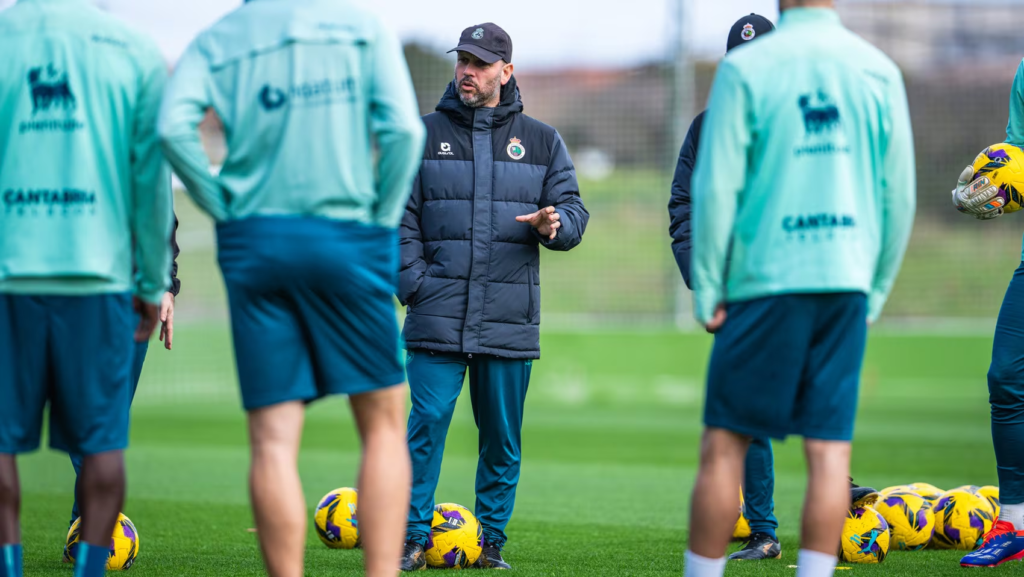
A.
pixel 456 538
pixel 1003 164
pixel 931 493
pixel 991 494
pixel 865 537
pixel 910 518
pixel 124 544
pixel 961 520
pixel 335 519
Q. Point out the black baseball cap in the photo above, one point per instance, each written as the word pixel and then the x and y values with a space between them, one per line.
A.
pixel 747 28
pixel 488 42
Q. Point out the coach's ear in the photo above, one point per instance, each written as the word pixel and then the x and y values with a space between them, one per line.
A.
pixel 506 72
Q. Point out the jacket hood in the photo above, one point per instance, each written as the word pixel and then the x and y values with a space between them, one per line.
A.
pixel 509 104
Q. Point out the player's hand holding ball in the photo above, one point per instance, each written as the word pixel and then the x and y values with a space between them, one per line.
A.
pixel 977 197
pixel 991 186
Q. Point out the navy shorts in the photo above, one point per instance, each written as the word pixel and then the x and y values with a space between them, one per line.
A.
pixel 75 353
pixel 312 311
pixel 789 365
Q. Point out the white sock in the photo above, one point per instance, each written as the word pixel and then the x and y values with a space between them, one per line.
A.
pixel 815 564
pixel 697 566
pixel 1014 514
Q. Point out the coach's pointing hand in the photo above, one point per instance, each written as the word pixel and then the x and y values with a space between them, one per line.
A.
pixel 544 220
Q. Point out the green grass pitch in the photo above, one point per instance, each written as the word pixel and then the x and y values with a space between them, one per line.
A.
pixel 609 454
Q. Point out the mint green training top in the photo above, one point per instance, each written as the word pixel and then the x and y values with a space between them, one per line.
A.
pixel 1015 126
pixel 309 92
pixel 805 170
pixel 81 173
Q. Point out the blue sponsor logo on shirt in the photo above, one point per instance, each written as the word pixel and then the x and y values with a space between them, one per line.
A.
pixel 822 125
pixel 820 114
pixel 315 93
pixel 817 222
pixel 272 98
pixel 65 198
pixel 50 90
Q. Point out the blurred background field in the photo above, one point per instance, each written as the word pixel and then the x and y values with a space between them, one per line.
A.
pixel 614 409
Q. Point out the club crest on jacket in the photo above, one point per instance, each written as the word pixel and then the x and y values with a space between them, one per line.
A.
pixel 515 149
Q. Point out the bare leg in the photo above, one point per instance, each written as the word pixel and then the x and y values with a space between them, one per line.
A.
pixel 715 505
pixel 101 491
pixel 275 488
pixel 828 495
pixel 10 501
pixel 384 479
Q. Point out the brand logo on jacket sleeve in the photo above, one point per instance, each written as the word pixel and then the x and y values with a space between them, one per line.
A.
pixel 515 149
pixel 446 150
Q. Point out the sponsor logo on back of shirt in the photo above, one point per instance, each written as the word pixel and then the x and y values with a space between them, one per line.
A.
pixel 33 201
pixel 823 126
pixel 324 92
pixel 53 102
pixel 822 226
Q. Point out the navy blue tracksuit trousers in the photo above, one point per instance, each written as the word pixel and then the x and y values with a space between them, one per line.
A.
pixel 1006 392
pixel 497 388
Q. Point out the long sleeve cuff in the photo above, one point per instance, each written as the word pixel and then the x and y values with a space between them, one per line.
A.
pixel 704 303
pixel 876 301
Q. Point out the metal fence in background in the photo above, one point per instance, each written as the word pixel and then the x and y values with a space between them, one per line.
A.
pixel 624 127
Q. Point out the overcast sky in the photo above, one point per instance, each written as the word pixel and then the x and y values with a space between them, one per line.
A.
pixel 546 33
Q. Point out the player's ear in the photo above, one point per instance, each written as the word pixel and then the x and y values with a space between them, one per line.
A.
pixel 506 72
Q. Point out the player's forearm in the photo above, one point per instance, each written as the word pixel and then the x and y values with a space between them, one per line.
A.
pixel 400 152
pixel 153 222
pixel 713 217
pixel 186 155
pixel 1015 124
pixel 707 273
pixel 899 200
pixel 895 238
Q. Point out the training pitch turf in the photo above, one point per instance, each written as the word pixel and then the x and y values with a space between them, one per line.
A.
pixel 610 445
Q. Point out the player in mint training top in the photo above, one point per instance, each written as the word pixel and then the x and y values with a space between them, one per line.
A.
pixel 805 184
pixel 759 466
pixel 85 194
pixel 1005 542
pixel 323 138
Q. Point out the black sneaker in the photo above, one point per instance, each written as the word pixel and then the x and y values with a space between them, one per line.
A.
pixel 490 558
pixel 759 546
pixel 413 558
pixel 861 497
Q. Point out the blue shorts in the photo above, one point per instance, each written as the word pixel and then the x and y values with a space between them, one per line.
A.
pixel 312 311
pixel 789 365
pixel 74 353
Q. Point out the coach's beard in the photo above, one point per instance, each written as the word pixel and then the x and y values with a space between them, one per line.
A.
pixel 480 97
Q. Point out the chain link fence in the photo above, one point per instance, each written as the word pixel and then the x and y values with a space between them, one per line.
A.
pixel 624 127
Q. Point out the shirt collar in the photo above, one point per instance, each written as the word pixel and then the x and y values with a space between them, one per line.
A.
pixel 812 16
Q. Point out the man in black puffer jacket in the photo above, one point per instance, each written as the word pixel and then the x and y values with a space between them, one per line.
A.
pixel 494 185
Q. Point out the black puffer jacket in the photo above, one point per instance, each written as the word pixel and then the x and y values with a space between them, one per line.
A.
pixel 680 203
pixel 471 273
